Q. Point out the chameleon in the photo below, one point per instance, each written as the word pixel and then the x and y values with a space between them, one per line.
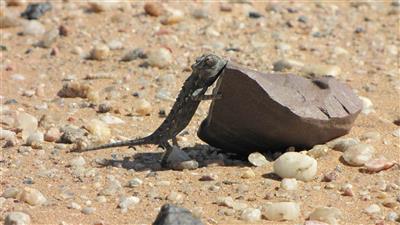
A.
pixel 205 72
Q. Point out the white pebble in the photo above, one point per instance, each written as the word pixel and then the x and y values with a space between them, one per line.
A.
pixel 367 106
pixel 6 134
pixel 372 209
pixel 77 162
pixel 280 211
pixel 257 159
pixel 108 119
pixel 289 184
pixel 143 107
pixel 27 123
pixel 17 218
pixel 115 45
pixel 396 133
pixel 328 215
pixel 32 196
pixel 251 215
pixel 100 52
pixel 248 173
pixel 33 27
pixel 135 182
pixel 358 155
pixel 18 77
pixel 161 58
pixel 35 137
pixel 295 165
pixel 99 129
pixel 127 202
pixel 342 144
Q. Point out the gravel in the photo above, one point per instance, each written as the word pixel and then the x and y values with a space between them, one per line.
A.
pixel 32 196
pixel 289 184
pixel 161 58
pixel 372 209
pixel 330 215
pixel 251 215
pixel 282 211
pixel 359 154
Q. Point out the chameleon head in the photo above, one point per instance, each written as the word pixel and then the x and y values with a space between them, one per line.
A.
pixel 209 67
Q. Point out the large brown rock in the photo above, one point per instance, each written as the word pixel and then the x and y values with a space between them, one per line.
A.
pixel 268 112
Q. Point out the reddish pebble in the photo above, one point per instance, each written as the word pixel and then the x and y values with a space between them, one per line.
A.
pixel 52 134
pixel 378 164
pixel 225 7
pixel 331 176
pixel 63 31
pixel 348 192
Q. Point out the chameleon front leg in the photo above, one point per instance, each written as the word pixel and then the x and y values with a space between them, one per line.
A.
pixel 168 149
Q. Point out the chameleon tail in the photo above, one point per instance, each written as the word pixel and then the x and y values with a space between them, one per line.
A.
pixel 140 141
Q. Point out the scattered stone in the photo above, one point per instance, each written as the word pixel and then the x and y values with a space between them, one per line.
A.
pixel 18 77
pixel 173 215
pixel 248 173
pixel 104 108
pixel 251 215
pixel 286 64
pixel 328 215
pixel 160 57
pixel 71 134
pixel 396 133
pixel 378 164
pixel 32 196
pixel 342 144
pixel 314 222
pixel 134 54
pixel 347 190
pixel 372 209
pixel 17 218
pixel 329 177
pixel 99 129
pixel 48 38
pixel 11 192
pixel 293 107
pixel 225 7
pixel 16 2
pixel 282 211
pixel 6 134
pixel 126 203
pixel 88 210
pixel 74 205
pixel 210 177
pixel 135 182
pixel 318 151
pixel 255 15
pixel 173 17
pixel 77 162
pixel 63 30
pixel 289 184
pixel 33 27
pixel 359 154
pixel 257 159
pixel 36 10
pixel 175 197
pixel 53 134
pixel 321 70
pixel 392 216
pixel 27 123
pixel 109 119
pixel 100 52
pixel 295 165
pixel 143 107
pixel 367 106
pixel 185 165
pixel 371 136
pixel 75 89
pixel 35 137
pixel 101 6
pixel 115 45
pixel 153 9
pixel 9 20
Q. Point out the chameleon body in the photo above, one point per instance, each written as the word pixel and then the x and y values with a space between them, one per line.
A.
pixel 205 72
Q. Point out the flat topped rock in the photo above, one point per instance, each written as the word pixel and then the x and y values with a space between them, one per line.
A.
pixel 264 112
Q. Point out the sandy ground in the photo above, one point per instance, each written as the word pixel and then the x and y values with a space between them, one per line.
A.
pixel 368 60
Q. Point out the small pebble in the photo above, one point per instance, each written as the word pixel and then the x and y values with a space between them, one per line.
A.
pixel 251 215
pixel 318 151
pixel 35 137
pixel 295 165
pixel 88 210
pixel 74 89
pixel 328 215
pixel 11 192
pixel 104 108
pixel 33 27
pixel 161 58
pixel 248 173
pixel 143 107
pixel 255 15
pixel 36 10
pixel 289 184
pixel 74 205
pixel 359 154
pixel 100 52
pixel 17 218
pixel 372 209
pixel 286 64
pixel 378 164
pixel 173 17
pixel 342 144
pixel 282 211
pixel 371 136
pixel 392 216
pixel 52 134
pixel 367 106
pixel 111 120
pixel 32 196
pixel 6 134
pixel 257 159
pixel 153 9
pixel 99 129
pixel 115 45
pixel 77 162
pixel 329 177
pixel 200 13
pixel 134 54
pixel 135 182
pixel 396 133
pixel 175 197
pixel 126 203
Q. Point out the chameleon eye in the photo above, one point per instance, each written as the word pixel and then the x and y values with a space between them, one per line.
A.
pixel 209 61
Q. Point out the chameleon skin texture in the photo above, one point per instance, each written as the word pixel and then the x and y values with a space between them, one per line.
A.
pixel 270 112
